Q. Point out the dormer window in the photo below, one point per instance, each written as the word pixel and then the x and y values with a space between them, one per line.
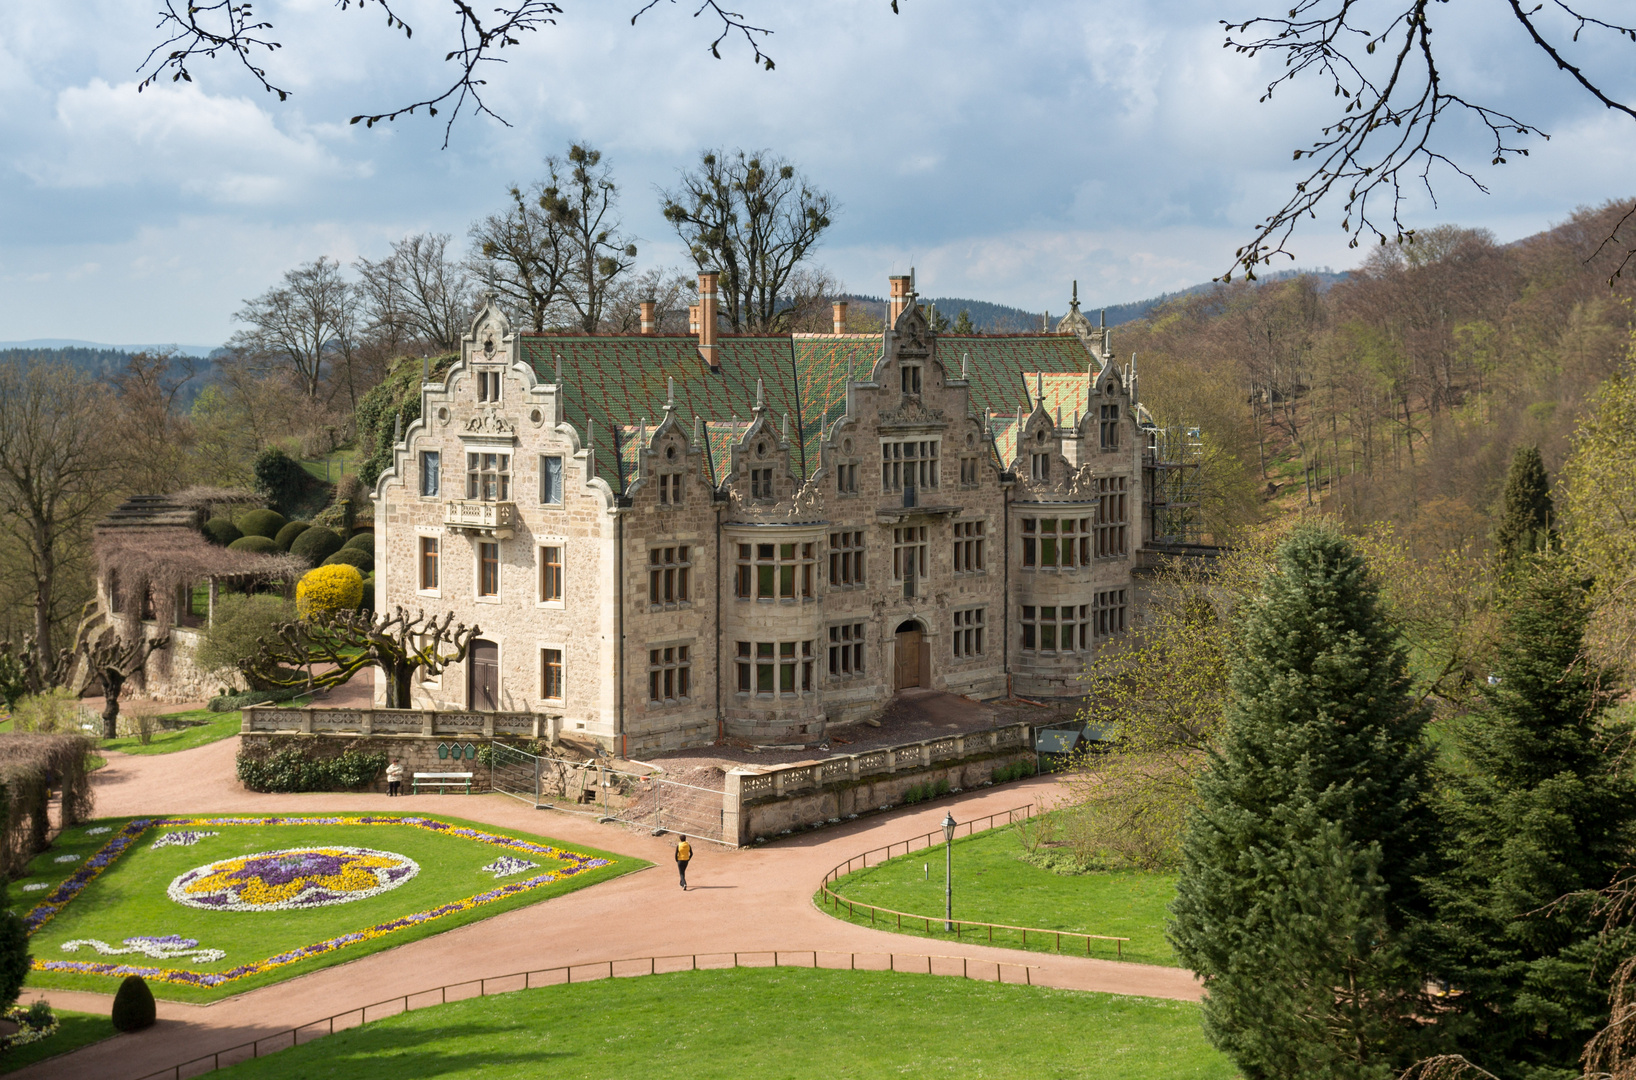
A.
pixel 488 386
pixel 1110 426
pixel 1039 468
pixel 911 378
pixel 761 483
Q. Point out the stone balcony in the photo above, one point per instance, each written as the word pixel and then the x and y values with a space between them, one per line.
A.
pixel 496 519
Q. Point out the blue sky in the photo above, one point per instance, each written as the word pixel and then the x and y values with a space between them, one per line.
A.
pixel 1000 148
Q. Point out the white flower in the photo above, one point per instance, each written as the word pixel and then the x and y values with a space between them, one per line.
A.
pixel 66 858
pixel 98 831
pixel 506 865
pixel 168 947
pixel 180 839
pixel 38 886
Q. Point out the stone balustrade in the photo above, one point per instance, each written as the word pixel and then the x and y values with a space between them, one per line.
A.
pixel 270 721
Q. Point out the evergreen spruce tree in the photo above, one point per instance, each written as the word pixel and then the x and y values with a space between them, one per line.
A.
pixel 1527 518
pixel 1300 866
pixel 963 325
pixel 1539 814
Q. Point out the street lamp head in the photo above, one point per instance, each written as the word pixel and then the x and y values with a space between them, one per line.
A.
pixel 948 828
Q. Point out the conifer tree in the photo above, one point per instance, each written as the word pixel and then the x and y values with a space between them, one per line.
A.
pixel 1527 518
pixel 1539 815
pixel 1300 866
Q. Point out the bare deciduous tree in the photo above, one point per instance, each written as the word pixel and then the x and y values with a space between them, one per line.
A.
pixel 158 437
pixel 599 253
pixel 299 326
pixel 417 293
pixel 523 255
pixel 755 219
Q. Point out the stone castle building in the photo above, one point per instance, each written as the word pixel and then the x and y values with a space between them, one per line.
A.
pixel 673 539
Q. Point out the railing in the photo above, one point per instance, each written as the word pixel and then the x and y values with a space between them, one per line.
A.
pixel 830 896
pixel 263 718
pixel 476 515
pixel 591 972
pixel 779 781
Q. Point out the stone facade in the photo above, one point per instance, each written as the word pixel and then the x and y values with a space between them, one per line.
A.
pixel 781 563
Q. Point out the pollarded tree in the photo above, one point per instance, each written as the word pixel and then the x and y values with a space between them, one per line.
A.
pixel 1527 518
pixel 1300 866
pixel 1540 816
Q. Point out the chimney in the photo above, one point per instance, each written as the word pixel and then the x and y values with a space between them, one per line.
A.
pixel 838 313
pixel 707 317
pixel 693 318
pixel 899 299
pixel 648 326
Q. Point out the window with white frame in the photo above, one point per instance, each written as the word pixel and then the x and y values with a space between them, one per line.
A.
pixel 431 472
pixel 775 571
pixel 488 477
pixel 488 386
pixel 968 547
pixel 551 674
pixel 968 633
pixel 845 560
pixel 428 563
pixel 1056 542
pixel 1110 612
pixel 670 673
pixel 846 650
pixel 784 668
pixel 550 480
pixel 1056 629
pixel 670 573
pixel 1111 521
pixel 488 569
pixel 909 463
pixel 551 560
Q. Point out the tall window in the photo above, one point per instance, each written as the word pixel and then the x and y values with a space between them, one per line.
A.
pixel 551 674
pixel 846 478
pixel 670 489
pixel 910 374
pixel 1039 467
pixel 968 471
pixel 670 572
pixel 909 556
pixel 488 386
pixel 775 667
pixel 428 563
pixel 968 547
pixel 551 480
pixel 1110 427
pixel 1056 542
pixel 845 560
pixel 488 477
pixel 431 467
pixel 1110 612
pixel 488 569
pixel 909 463
pixel 968 633
pixel 846 650
pixel 1056 629
pixel 670 673
pixel 761 483
pixel 775 571
pixel 1111 519
pixel 551 574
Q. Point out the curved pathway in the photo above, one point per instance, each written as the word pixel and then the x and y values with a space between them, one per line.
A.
pixel 755 899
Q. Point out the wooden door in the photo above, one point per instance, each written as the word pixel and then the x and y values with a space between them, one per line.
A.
pixel 908 659
pixel 483 676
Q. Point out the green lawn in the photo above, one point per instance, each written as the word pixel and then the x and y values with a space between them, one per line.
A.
pixel 203 726
pixel 783 1024
pixel 991 884
pixel 74 1030
pixel 130 900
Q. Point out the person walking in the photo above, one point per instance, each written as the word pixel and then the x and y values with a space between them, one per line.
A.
pixel 684 853
pixel 394 777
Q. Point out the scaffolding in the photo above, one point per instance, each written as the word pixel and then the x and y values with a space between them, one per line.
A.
pixel 1175 484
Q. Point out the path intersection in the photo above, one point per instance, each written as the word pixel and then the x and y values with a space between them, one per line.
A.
pixel 751 900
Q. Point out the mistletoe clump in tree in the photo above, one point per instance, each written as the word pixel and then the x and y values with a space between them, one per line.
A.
pixel 399 644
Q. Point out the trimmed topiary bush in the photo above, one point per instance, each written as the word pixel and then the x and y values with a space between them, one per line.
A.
pixel 258 544
pixel 221 531
pixel 286 536
pixel 351 556
pixel 261 523
pixel 316 544
pixel 367 604
pixel 281 478
pixel 329 588
pixel 133 1005
pixel 363 540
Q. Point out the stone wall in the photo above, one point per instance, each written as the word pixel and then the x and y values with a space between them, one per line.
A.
pixel 418 753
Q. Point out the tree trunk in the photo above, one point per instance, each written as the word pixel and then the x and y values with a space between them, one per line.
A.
pixel 112 683
pixel 398 678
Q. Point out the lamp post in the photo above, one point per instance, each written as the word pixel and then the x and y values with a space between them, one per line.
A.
pixel 948 873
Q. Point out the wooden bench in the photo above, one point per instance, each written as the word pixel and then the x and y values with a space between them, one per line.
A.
pixel 442 781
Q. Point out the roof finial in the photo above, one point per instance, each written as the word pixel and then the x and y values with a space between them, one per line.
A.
pixel 912 292
pixel 1074 303
pixel 698 430
pixel 784 430
pixel 1039 387
pixel 590 431
pixel 559 369
pixel 965 361
pixel 1045 322
pixel 761 402
pixel 988 421
pixel 1102 320
pixel 670 400
pixel 642 433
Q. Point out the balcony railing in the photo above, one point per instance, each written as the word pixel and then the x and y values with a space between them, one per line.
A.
pixel 496 519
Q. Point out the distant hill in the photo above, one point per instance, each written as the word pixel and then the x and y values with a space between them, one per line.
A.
pixel 98 346
pixel 104 362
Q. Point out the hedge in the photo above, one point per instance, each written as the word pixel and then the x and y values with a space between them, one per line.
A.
pixel 291 770
pixel 261 545
pixel 261 523
pixel 286 536
pixel 221 531
pixel 351 556
pixel 316 544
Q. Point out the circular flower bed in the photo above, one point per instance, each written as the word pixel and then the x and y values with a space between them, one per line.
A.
pixel 292 879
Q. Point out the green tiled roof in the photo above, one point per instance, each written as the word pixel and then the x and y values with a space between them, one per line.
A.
pixel 615 382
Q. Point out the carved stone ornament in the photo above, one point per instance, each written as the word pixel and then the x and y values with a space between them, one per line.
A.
pixel 911 413
pixel 490 422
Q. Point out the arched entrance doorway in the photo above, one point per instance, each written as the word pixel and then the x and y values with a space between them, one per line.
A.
pixel 910 667
pixel 483 676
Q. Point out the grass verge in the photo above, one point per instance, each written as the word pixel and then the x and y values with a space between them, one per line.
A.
pixel 203 727
pixel 992 884
pixel 74 1030
pixel 451 888
pixel 788 1023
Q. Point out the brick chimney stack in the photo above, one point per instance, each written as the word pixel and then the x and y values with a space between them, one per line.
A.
pixel 648 323
pixel 708 301
pixel 899 299
pixel 838 313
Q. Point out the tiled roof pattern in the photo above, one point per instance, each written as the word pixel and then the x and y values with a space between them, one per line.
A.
pixel 616 381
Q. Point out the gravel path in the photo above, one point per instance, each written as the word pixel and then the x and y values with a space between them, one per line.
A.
pixel 745 901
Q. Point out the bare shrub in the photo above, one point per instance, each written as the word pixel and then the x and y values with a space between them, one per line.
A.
pixel 57 711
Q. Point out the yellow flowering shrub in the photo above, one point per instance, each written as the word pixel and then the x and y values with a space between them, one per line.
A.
pixel 329 588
